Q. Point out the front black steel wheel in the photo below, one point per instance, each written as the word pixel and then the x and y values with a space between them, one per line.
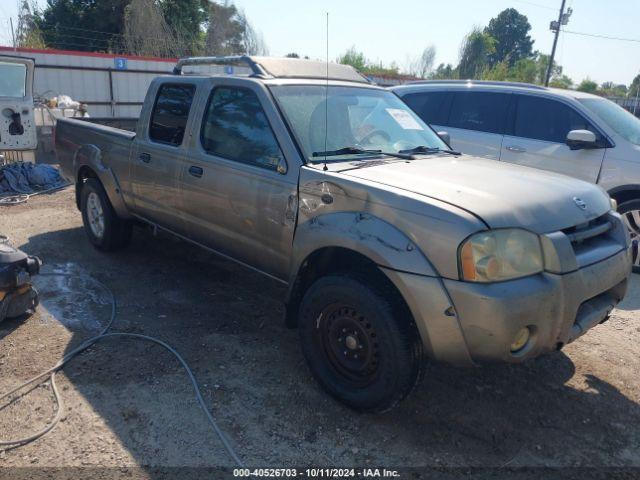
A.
pixel 349 342
pixel 360 342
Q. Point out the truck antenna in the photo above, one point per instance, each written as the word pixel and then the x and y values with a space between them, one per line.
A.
pixel 326 102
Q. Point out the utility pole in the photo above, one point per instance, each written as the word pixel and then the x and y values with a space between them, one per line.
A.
pixel 563 19
pixel 13 35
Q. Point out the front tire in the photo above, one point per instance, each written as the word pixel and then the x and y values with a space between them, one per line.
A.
pixel 360 343
pixel 630 212
pixel 106 231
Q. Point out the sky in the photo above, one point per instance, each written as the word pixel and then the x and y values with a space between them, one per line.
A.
pixel 399 31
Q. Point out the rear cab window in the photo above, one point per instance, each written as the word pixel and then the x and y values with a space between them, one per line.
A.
pixel 171 113
pixel 235 127
pixel 480 111
pixel 548 120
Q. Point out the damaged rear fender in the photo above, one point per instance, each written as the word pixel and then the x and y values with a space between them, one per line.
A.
pixel 87 162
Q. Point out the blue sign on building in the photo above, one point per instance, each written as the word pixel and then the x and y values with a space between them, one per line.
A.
pixel 120 63
pixel 228 69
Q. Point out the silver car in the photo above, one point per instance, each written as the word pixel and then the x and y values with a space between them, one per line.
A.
pixel 565 131
pixel 393 247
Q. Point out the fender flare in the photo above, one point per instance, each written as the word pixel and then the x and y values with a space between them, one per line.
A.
pixel 90 156
pixel 364 233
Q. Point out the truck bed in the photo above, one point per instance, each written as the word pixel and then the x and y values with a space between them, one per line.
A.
pixel 113 144
pixel 121 123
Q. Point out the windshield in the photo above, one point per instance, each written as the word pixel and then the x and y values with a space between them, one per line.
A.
pixel 13 79
pixel 365 118
pixel 622 122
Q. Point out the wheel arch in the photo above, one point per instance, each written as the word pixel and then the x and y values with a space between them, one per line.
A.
pixel 624 193
pixel 349 241
pixel 329 260
pixel 88 163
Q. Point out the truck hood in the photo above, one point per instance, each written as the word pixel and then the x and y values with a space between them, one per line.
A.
pixel 500 194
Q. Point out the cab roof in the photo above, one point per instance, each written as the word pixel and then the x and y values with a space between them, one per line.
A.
pixel 275 67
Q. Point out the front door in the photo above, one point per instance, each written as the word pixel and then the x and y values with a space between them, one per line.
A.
pixel 17 122
pixel 239 197
pixel 476 122
pixel 538 135
pixel 157 154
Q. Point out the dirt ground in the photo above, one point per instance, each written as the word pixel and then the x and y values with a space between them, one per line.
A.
pixel 129 403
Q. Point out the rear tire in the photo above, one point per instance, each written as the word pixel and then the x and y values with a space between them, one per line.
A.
pixel 360 344
pixel 630 212
pixel 106 231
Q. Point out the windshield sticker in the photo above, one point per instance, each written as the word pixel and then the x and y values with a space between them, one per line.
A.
pixel 404 119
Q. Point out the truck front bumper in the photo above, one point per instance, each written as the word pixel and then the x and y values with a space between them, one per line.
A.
pixel 466 323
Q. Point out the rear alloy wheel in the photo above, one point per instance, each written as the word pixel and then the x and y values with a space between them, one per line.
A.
pixel 360 342
pixel 106 231
pixel 95 215
pixel 630 212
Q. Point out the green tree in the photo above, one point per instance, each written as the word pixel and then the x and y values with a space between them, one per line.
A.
pixel 354 58
pixel 28 33
pixel 292 55
pixel 185 18
pixel 444 72
pixel 510 29
pixel 561 81
pixel 610 89
pixel 83 24
pixel 499 72
pixel 634 88
pixel 225 30
pixel 587 85
pixel 475 51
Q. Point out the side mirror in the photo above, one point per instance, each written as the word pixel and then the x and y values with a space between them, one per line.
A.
pixel 445 137
pixel 577 139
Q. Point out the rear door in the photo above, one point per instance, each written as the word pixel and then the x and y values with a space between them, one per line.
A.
pixel 157 153
pixel 538 134
pixel 239 191
pixel 17 123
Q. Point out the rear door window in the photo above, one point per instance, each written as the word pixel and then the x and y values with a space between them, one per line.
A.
pixel 432 107
pixel 235 127
pixel 170 113
pixel 480 111
pixel 549 120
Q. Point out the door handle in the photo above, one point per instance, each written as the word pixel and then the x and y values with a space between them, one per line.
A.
pixel 144 157
pixel 513 148
pixel 196 171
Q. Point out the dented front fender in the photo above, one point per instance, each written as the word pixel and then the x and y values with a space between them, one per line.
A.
pixel 364 233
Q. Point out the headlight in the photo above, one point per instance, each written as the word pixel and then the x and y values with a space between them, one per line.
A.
pixel 497 255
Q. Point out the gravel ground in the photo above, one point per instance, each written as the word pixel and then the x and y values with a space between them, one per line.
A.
pixel 129 404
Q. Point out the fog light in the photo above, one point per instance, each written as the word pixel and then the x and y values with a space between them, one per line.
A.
pixel 520 340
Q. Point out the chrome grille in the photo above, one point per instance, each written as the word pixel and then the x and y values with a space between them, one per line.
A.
pixel 586 235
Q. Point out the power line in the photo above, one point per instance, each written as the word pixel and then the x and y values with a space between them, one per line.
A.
pixel 607 37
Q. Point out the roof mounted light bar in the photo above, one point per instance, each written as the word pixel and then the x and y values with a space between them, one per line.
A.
pixel 238 60
pixel 275 67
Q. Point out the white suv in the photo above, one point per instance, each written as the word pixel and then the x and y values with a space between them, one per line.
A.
pixel 570 132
